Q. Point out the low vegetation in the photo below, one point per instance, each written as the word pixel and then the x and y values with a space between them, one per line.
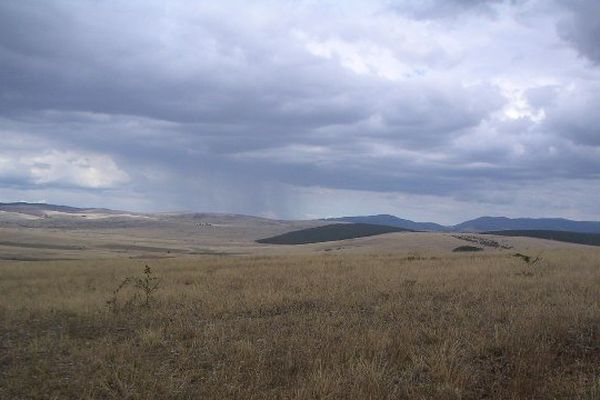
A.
pixel 529 259
pixel 591 239
pixel 466 249
pixel 147 285
pixel 329 233
pixel 482 241
pixel 330 326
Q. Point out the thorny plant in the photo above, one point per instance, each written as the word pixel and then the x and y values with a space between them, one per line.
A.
pixel 148 284
pixel 528 259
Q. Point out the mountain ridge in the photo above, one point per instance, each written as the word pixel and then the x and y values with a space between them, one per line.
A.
pixel 391 220
pixel 481 224
pixel 487 223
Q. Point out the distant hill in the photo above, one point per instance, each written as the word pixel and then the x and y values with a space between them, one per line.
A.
pixel 390 220
pixel 542 224
pixel 482 224
pixel 39 209
pixel 592 239
pixel 331 232
pixel 24 214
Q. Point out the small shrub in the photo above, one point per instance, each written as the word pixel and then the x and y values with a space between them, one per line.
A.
pixel 466 249
pixel 148 284
pixel 528 259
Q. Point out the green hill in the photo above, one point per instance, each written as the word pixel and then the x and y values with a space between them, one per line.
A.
pixel 330 233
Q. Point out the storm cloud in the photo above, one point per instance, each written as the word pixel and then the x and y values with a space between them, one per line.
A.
pixel 437 110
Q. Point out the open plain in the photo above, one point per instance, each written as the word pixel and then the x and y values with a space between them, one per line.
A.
pixel 216 315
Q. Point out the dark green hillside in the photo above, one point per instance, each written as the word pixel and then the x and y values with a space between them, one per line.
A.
pixel 592 239
pixel 496 224
pixel 390 220
pixel 467 249
pixel 329 233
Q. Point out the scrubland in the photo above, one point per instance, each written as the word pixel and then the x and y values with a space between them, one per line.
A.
pixel 328 326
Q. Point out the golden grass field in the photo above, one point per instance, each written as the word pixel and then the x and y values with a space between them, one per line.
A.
pixel 329 325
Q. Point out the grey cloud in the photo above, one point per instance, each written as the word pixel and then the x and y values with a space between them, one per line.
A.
pixel 543 96
pixel 280 103
pixel 225 108
pixel 572 114
pixel 133 74
pixel 582 27
pixel 435 9
pixel 439 114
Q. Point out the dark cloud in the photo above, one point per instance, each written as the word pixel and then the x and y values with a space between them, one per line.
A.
pixel 571 114
pixel 582 27
pixel 262 108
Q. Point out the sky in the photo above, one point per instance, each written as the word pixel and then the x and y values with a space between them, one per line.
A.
pixel 433 110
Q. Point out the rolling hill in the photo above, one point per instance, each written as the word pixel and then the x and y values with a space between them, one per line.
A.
pixel 543 224
pixel 591 239
pixel 390 220
pixel 482 224
pixel 34 215
pixel 41 209
pixel 329 233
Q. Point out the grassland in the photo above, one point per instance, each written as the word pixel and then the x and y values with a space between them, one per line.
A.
pixel 590 239
pixel 328 326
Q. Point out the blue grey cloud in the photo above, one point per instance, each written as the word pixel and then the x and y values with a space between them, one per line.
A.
pixel 265 108
pixel 581 27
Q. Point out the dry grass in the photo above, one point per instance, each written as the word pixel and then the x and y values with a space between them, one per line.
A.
pixel 303 327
